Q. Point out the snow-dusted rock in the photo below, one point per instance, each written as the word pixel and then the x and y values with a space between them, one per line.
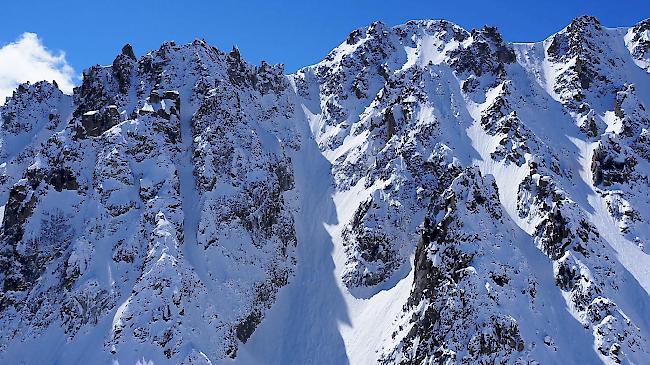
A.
pixel 489 203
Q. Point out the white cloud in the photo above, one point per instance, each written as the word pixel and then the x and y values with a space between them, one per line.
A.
pixel 27 59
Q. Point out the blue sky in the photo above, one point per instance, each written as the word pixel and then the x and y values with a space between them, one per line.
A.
pixel 296 33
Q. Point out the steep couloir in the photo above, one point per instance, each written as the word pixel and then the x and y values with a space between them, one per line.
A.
pixel 425 194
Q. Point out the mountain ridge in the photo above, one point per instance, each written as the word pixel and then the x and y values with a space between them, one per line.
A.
pixel 485 198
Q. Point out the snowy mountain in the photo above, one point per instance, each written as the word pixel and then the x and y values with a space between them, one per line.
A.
pixel 423 195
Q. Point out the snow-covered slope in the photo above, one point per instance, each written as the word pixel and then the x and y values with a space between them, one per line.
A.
pixel 158 222
pixel 425 194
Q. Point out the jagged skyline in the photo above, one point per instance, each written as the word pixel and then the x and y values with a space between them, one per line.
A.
pixel 423 194
pixel 292 32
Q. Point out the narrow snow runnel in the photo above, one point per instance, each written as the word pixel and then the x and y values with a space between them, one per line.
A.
pixel 189 193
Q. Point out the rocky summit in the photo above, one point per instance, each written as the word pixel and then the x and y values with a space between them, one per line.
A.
pixel 424 195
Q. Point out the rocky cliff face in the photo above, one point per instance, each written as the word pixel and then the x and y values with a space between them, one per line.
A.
pixel 489 201
pixel 168 185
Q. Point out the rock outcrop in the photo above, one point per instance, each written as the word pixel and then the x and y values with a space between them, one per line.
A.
pixel 425 194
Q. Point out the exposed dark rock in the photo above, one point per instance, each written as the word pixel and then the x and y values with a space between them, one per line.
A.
pixel 618 111
pixel 160 101
pixel 566 276
pixel 240 73
pixel 488 53
pixel 246 328
pixel 285 177
pixel 609 166
pixel 641 50
pixel 19 207
pixel 270 78
pixel 556 236
pixel 95 123
pixel 62 179
pixel 353 37
pixel 92 94
pixel 127 50
pixel 124 67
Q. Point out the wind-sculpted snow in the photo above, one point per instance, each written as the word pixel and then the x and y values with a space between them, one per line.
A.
pixel 425 194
